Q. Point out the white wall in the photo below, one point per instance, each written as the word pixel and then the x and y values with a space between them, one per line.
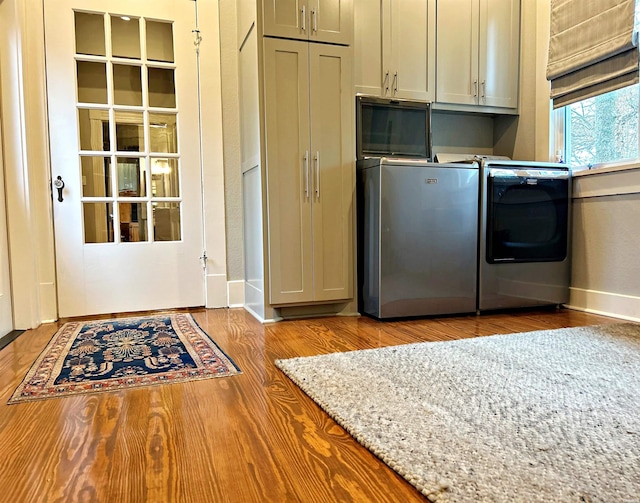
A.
pixel 231 128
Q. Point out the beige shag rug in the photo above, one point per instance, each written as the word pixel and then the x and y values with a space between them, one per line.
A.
pixel 545 416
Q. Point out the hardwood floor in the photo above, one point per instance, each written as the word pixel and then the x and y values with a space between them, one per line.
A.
pixel 249 438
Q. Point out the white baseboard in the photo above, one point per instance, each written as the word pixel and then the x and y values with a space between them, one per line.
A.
pixel 626 307
pixel 235 293
pixel 216 290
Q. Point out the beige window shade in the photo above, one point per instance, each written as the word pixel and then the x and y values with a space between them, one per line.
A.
pixel 592 48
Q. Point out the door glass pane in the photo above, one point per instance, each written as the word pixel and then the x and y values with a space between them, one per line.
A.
pixel 163 135
pixel 164 178
pixel 133 222
pixel 98 222
pixel 129 131
pixel 92 82
pixel 90 34
pixel 159 41
pixel 162 91
pixel 132 177
pixel 166 221
pixel 127 85
pixel 96 176
pixel 125 37
pixel 94 129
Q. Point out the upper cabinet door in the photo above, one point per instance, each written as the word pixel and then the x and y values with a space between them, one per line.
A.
pixel 499 51
pixel 457 59
pixel 394 48
pixel 286 18
pixel 478 53
pixel 413 42
pixel 331 21
pixel 367 48
pixel 316 20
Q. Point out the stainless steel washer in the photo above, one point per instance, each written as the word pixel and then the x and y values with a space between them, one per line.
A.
pixel 417 225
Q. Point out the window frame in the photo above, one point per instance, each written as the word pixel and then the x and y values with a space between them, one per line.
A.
pixel 561 137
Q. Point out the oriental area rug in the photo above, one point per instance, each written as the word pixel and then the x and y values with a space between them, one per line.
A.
pixel 103 355
pixel 530 417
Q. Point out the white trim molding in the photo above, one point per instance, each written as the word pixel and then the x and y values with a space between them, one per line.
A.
pixel 235 293
pixel 626 307
pixel 26 161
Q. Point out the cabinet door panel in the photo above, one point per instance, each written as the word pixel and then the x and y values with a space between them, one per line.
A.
pixel 286 18
pixel 413 41
pixel 331 21
pixel 333 170
pixel 367 47
pixel 499 52
pixel 457 46
pixel 286 82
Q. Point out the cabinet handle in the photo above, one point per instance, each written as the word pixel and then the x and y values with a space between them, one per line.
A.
pixel 314 16
pixel 475 88
pixel 385 82
pixel 395 83
pixel 303 14
pixel 306 174
pixel 316 160
pixel 484 88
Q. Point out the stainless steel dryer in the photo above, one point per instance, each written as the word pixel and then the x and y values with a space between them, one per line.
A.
pixel 523 257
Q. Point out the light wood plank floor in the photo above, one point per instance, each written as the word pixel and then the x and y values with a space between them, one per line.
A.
pixel 249 438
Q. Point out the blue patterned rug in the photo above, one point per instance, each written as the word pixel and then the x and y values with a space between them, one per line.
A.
pixel 103 355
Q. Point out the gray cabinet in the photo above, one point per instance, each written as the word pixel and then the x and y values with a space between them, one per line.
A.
pixel 310 172
pixel 478 53
pixel 328 21
pixel 394 48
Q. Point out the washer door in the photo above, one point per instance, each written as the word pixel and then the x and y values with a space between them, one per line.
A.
pixel 527 219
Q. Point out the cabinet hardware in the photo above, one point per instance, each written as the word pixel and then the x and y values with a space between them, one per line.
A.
pixel 314 16
pixel 395 83
pixel 475 88
pixel 306 174
pixel 385 82
pixel 484 89
pixel 303 14
pixel 316 160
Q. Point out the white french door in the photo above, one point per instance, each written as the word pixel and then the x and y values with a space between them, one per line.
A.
pixel 6 316
pixel 124 130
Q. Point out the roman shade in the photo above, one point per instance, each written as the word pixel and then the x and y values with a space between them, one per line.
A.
pixel 592 48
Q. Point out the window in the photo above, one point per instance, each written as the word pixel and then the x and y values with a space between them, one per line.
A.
pixel 599 130
pixel 603 129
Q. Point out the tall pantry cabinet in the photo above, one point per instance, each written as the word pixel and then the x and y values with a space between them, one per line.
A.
pixel 298 156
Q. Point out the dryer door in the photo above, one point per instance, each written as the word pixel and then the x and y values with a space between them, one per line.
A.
pixel 527 216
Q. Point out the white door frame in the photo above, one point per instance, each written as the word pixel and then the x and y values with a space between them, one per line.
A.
pixel 6 310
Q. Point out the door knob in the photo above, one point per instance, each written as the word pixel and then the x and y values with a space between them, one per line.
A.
pixel 58 183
